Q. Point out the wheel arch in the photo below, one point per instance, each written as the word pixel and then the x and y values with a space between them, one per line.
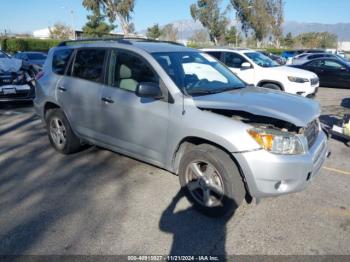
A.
pixel 48 106
pixel 191 141
pixel 263 82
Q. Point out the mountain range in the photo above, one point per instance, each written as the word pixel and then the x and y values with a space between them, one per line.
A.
pixel 187 28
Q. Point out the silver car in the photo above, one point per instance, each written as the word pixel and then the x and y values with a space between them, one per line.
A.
pixel 183 111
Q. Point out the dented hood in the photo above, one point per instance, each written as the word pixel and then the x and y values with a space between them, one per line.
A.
pixel 294 109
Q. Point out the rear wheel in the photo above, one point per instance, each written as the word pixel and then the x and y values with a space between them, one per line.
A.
pixel 272 86
pixel 60 132
pixel 211 180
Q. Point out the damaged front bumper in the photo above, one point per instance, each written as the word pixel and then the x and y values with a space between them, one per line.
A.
pixel 269 174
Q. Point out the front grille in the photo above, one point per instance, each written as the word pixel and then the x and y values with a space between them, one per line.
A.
pixel 314 81
pixel 311 132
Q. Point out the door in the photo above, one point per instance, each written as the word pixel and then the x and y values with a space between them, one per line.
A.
pixel 337 74
pixel 79 92
pixel 135 125
pixel 316 67
pixel 234 62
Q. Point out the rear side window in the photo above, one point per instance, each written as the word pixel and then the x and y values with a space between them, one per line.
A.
pixel 234 60
pixel 60 60
pixel 88 64
pixel 217 55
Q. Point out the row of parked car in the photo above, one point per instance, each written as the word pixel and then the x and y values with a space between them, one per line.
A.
pixel 267 70
pixel 258 68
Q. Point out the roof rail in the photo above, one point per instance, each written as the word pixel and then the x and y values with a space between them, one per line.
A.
pixel 123 40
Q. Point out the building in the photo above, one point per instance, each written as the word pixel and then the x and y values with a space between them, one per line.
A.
pixel 345 46
pixel 42 33
pixel 78 34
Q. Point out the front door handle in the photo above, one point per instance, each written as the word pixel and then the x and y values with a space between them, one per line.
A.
pixel 62 89
pixel 107 100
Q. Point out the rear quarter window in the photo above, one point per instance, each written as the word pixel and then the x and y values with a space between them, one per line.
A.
pixel 89 64
pixel 60 60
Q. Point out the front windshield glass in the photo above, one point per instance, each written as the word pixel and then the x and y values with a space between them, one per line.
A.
pixel 261 59
pixel 198 73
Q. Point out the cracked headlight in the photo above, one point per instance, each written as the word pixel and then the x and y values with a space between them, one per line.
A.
pixel 278 142
pixel 298 79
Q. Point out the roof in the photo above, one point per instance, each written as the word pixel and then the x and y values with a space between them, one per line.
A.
pixel 226 49
pixel 159 47
pixel 150 46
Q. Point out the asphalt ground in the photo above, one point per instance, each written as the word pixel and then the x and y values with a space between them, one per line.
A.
pixel 100 203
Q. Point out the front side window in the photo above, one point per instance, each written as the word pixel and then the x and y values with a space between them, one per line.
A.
pixel 198 73
pixel 88 64
pixel 330 64
pixel 60 59
pixel 128 70
pixel 234 60
pixel 315 64
pixel 261 59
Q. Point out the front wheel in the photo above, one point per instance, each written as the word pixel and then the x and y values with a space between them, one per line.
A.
pixel 211 181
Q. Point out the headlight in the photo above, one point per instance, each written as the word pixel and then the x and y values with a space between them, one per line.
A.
pixel 298 79
pixel 277 142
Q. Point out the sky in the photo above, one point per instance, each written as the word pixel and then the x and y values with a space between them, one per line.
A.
pixel 25 16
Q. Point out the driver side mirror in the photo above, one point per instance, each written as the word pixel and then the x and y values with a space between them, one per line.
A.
pixel 149 90
pixel 246 65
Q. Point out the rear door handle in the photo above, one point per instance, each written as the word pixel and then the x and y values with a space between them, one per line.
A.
pixel 62 89
pixel 107 100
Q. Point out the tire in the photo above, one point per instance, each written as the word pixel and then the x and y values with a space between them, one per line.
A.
pixel 220 171
pixel 60 133
pixel 272 86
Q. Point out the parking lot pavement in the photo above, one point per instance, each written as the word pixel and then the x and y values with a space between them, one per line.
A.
pixel 99 202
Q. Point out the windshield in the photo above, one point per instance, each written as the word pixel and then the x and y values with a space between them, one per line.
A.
pixel 261 59
pixel 36 56
pixel 342 58
pixel 198 73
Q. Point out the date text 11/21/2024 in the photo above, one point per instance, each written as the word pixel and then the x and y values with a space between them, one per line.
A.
pixel 173 258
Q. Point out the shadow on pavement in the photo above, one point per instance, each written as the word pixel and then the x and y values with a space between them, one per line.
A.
pixel 40 188
pixel 18 125
pixel 194 233
pixel 16 105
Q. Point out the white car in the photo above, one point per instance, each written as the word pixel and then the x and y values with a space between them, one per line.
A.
pixel 257 69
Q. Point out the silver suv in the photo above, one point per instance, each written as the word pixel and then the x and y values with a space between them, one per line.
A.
pixel 181 110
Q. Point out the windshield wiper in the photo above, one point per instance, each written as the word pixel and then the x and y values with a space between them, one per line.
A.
pixel 216 91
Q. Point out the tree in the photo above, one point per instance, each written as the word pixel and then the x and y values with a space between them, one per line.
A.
pixel 277 7
pixel 328 40
pixel 61 31
pixel 115 10
pixel 255 15
pixel 96 25
pixel 317 40
pixel 200 36
pixel 231 35
pixel 209 14
pixel 154 32
pixel 288 40
pixel 169 33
